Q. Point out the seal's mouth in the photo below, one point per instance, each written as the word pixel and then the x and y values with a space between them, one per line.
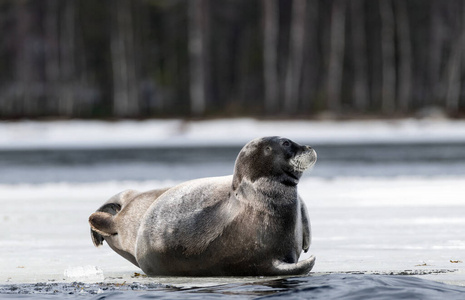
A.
pixel 304 160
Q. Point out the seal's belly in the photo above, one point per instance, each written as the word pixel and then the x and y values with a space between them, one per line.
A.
pixel 240 250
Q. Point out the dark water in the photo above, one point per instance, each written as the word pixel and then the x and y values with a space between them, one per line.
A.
pixel 334 286
pixel 92 165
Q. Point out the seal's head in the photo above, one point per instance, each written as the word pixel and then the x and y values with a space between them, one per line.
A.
pixel 275 158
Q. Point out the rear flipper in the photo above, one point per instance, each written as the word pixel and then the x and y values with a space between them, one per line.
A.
pixel 302 267
pixel 101 223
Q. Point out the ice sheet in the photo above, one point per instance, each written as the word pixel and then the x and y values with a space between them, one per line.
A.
pixel 379 225
pixel 164 133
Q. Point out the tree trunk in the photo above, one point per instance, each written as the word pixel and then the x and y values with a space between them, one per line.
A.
pixel 125 95
pixel 455 66
pixel 196 56
pixel 86 87
pixel 405 49
pixel 436 81
pixel 52 62
pixel 67 61
pixel 270 54
pixel 310 66
pixel 24 71
pixel 388 60
pixel 360 54
pixel 295 57
pixel 336 55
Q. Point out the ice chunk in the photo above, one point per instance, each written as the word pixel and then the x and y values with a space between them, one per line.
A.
pixel 84 273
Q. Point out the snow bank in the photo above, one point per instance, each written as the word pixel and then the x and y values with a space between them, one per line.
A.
pixel 164 133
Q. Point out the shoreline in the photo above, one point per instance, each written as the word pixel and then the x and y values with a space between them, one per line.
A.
pixel 452 277
pixel 235 132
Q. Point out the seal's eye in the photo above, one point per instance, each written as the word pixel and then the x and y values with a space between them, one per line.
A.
pixel 286 144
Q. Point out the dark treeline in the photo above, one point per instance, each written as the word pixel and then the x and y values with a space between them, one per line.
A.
pixel 185 58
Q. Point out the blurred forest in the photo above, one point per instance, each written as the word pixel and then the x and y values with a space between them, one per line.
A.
pixel 200 58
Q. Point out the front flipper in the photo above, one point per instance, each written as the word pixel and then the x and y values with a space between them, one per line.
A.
pixel 302 267
pixel 306 228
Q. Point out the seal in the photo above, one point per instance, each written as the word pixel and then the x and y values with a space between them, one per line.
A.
pixel 250 223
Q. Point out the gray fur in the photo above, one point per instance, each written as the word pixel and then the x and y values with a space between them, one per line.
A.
pixel 250 223
pixel 119 227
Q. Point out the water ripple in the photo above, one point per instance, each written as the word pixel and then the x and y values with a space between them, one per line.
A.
pixel 330 286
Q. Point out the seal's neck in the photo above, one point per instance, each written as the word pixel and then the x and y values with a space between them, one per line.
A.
pixel 281 180
pixel 265 193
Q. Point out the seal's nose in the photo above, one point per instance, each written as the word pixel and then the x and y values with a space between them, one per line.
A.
pixel 309 149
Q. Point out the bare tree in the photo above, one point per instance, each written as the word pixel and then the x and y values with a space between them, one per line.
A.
pixel 405 57
pixel 454 66
pixel 295 57
pixel 52 62
pixel 125 93
pixel 388 59
pixel 336 55
pixel 310 65
pixel 359 55
pixel 196 10
pixel 270 54
pixel 69 76
pixel 435 50
pixel 25 72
